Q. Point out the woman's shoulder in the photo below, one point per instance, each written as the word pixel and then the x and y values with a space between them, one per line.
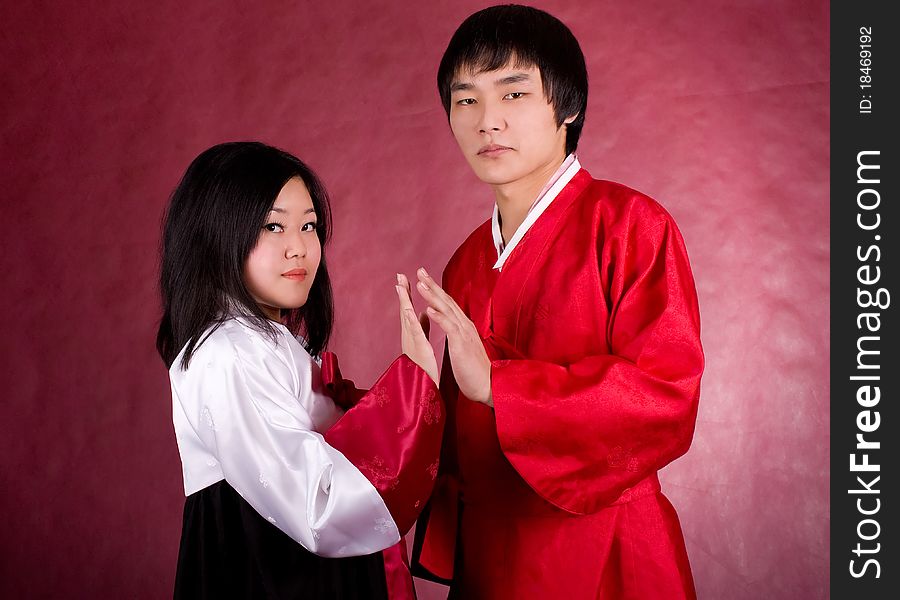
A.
pixel 235 341
pixel 240 361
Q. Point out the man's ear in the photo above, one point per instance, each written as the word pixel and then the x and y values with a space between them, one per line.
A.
pixel 568 120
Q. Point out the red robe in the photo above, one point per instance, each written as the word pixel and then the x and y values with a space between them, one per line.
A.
pixel 593 331
pixel 391 433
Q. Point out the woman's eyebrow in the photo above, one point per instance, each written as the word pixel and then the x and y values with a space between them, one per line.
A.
pixel 283 211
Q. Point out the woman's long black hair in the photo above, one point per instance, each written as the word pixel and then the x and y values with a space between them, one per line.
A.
pixel 214 219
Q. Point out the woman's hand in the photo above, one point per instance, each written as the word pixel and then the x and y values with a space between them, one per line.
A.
pixel 413 333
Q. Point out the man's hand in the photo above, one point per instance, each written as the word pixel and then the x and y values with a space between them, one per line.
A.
pixel 414 332
pixel 471 365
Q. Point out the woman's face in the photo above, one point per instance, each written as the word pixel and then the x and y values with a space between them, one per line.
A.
pixel 282 266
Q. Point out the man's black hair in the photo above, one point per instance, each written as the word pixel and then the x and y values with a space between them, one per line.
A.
pixel 494 37
pixel 213 222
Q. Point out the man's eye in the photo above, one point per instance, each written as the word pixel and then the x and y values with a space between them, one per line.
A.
pixel 514 95
pixel 274 227
pixel 466 101
pixel 311 226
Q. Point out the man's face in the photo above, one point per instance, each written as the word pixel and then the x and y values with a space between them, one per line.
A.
pixel 504 125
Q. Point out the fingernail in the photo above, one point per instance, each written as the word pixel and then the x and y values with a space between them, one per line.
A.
pixel 398 278
pixel 422 285
pixel 423 272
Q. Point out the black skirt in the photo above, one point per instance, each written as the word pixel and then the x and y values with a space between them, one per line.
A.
pixel 229 551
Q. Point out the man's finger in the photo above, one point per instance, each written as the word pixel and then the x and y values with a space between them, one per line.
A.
pixel 433 299
pixel 447 324
pixel 432 285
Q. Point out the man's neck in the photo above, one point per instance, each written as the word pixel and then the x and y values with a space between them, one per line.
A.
pixel 514 199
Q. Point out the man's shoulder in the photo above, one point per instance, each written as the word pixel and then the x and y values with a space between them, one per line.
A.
pixel 619 202
pixel 474 246
pixel 620 196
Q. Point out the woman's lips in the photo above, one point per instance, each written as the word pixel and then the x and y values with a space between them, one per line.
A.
pixel 295 274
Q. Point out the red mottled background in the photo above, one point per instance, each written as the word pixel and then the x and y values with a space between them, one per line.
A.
pixel 718 109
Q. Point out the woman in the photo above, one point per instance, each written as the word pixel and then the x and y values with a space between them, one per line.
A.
pixel 288 496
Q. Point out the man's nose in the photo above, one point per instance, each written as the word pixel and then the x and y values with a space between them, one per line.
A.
pixel 491 119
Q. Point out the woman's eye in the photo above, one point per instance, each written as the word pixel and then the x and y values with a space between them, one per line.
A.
pixel 311 226
pixel 514 95
pixel 466 101
pixel 274 227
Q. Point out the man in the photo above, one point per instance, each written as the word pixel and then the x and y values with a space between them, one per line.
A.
pixel 573 357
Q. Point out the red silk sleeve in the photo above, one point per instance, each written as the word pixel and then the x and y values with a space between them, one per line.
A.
pixel 583 433
pixel 393 436
pixel 434 546
pixel 344 393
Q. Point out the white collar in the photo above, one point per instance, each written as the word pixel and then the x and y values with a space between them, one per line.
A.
pixel 553 187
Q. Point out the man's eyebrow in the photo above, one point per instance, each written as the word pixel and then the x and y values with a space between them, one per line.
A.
pixel 514 78
pixel 460 86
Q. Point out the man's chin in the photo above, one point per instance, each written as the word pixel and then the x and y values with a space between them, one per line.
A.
pixel 497 175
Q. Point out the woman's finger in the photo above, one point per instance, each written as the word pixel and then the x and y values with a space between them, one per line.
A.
pixel 412 323
pixel 409 321
pixel 403 295
pixel 408 329
pixel 403 280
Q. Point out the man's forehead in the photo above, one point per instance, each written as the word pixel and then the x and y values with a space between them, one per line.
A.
pixel 508 73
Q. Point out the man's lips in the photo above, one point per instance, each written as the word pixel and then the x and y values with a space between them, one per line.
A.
pixel 492 150
pixel 295 274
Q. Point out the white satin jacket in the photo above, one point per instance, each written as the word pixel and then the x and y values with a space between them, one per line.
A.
pixel 249 410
